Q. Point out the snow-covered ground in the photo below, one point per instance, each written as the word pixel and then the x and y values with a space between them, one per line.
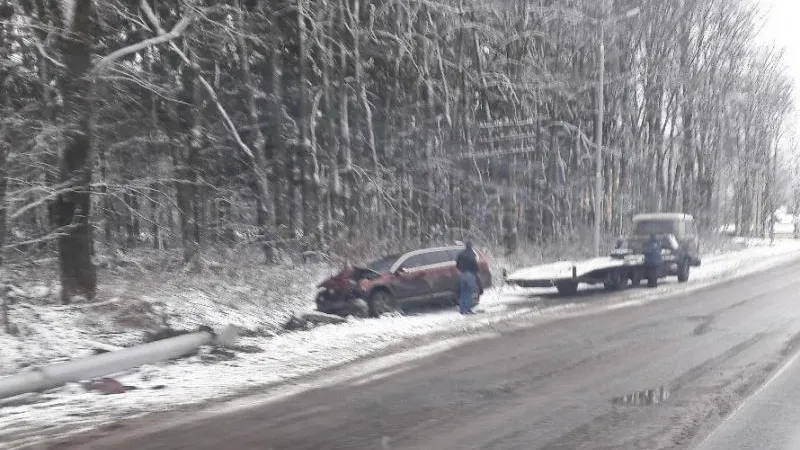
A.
pixel 265 358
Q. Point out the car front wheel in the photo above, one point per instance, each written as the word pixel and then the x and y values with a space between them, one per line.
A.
pixel 380 302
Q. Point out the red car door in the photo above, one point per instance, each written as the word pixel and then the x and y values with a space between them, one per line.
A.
pixel 443 274
pixel 411 282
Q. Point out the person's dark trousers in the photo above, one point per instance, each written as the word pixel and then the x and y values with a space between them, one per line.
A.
pixel 468 287
pixel 652 276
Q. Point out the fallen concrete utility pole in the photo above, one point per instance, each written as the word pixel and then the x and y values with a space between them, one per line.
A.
pixel 55 375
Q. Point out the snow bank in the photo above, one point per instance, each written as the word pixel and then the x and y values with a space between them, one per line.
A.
pixel 262 360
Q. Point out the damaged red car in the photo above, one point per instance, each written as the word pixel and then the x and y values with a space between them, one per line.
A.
pixel 417 278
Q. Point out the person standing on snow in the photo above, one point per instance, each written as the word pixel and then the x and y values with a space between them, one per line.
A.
pixel 467 265
pixel 652 260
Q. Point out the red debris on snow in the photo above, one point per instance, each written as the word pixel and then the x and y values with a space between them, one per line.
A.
pixel 107 386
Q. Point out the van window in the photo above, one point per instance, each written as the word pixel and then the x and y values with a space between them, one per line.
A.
pixel 654 226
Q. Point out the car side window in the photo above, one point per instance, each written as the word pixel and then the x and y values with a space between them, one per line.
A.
pixel 430 258
pixel 440 257
pixel 415 261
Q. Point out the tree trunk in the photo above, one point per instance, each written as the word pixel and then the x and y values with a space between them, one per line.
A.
pixel 275 146
pixel 49 12
pixel 260 188
pixel 335 211
pixel 129 219
pixel 152 100
pixel 5 109
pixel 185 162
pixel 370 151
pixel 155 230
pixel 109 215
pixel 307 152
pixel 3 184
pixel 772 180
pixel 78 273
pixel 348 198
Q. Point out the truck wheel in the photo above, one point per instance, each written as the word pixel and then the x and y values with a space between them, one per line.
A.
pixel 683 272
pixel 636 278
pixel 567 288
pixel 616 280
pixel 381 301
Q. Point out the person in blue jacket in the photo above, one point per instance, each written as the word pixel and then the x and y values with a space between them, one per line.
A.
pixel 652 260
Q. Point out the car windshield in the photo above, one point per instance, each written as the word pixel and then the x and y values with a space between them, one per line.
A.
pixel 654 226
pixel 382 265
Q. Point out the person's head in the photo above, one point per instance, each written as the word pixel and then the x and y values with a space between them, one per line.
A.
pixel 652 237
pixel 468 244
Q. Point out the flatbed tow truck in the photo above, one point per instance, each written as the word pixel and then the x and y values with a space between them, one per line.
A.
pixel 624 265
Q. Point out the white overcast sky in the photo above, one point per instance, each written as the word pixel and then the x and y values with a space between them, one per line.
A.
pixel 782 26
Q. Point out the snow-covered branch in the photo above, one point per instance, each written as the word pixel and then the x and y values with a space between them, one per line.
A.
pixel 151 16
pixel 175 33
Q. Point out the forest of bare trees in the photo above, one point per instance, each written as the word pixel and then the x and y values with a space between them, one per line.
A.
pixel 319 125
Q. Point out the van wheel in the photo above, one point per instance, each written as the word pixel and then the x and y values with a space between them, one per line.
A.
pixel 380 302
pixel 683 271
pixel 567 288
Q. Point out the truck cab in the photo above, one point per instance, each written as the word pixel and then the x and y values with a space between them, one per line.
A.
pixel 679 237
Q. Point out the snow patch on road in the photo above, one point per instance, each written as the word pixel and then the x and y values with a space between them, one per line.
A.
pixel 273 359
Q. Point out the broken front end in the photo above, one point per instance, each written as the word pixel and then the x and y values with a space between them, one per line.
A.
pixel 346 293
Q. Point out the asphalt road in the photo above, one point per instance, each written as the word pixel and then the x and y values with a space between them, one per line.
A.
pixel 768 420
pixel 660 375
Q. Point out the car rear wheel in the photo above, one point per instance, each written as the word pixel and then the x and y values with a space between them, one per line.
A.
pixel 380 302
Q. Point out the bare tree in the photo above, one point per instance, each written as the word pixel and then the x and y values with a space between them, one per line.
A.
pixel 364 126
pixel 78 275
pixel 6 12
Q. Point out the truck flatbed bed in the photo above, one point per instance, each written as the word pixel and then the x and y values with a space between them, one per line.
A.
pixel 550 275
pixel 614 272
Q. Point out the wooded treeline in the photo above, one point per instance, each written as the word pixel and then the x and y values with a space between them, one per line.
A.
pixel 313 124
